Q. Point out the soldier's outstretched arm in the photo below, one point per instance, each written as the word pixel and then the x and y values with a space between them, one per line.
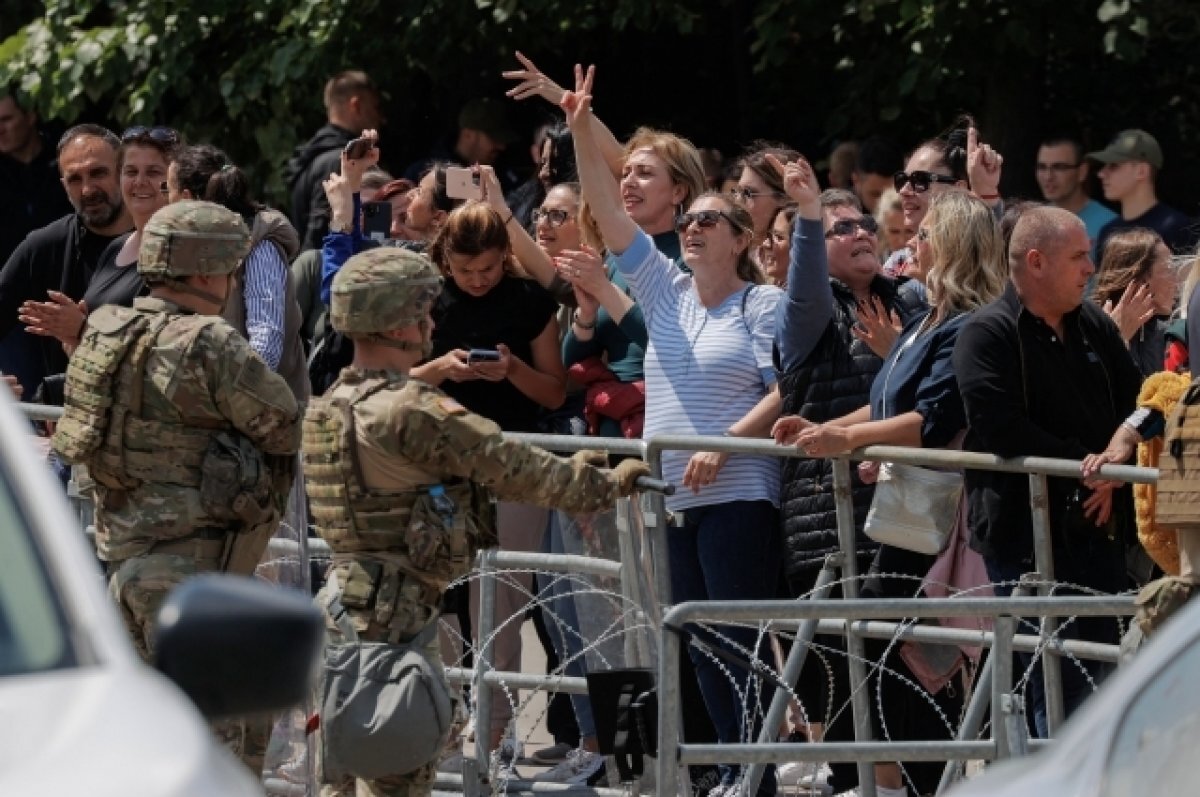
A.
pixel 442 435
pixel 255 399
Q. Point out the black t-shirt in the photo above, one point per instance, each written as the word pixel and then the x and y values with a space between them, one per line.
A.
pixel 513 313
pixel 1178 232
pixel 111 283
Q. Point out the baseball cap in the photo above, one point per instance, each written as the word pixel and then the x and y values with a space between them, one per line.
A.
pixel 1131 145
pixel 487 115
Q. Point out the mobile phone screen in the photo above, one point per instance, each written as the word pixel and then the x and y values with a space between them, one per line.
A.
pixel 482 356
pixel 377 219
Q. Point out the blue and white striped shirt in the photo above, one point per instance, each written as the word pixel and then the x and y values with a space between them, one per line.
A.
pixel 705 369
pixel 265 287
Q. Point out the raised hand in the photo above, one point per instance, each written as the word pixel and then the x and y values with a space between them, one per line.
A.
pixel 577 104
pixel 983 167
pixel 354 168
pixel 533 83
pixel 800 184
pixel 1135 307
pixel 584 269
pixel 493 194
pixel 876 326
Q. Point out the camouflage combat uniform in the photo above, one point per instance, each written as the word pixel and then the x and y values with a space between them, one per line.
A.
pixel 401 478
pixel 148 390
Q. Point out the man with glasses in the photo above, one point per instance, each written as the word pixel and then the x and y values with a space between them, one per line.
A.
pixel 1130 164
pixel 62 255
pixel 1061 174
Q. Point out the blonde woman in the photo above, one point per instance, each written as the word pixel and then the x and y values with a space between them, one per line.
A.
pixel 958 254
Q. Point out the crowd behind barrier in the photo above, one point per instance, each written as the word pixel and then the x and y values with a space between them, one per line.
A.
pixel 640 570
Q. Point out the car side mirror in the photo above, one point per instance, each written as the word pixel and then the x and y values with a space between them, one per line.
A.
pixel 237 646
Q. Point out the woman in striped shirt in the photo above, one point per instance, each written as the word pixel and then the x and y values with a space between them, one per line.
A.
pixel 708 371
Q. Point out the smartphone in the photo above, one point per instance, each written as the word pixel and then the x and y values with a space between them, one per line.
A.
pixel 377 219
pixel 462 183
pixel 358 148
pixel 482 356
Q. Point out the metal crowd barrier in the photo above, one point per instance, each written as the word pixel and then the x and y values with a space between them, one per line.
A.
pixel 855 618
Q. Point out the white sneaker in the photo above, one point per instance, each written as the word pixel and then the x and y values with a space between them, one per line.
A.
pixel 720 790
pixel 579 767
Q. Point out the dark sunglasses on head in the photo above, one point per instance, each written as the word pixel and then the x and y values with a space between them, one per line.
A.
pixel 555 218
pixel 163 135
pixel 850 226
pixel 705 219
pixel 920 180
pixel 739 194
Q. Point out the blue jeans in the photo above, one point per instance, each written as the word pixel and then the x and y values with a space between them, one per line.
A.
pixel 562 623
pixel 1075 685
pixel 722 552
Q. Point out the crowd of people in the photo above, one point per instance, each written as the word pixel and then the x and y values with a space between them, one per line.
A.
pixel 646 287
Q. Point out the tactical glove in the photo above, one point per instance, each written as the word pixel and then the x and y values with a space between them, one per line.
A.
pixel 626 474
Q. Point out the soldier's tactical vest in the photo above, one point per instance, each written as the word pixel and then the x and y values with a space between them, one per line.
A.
pixel 433 528
pixel 102 425
pixel 1177 504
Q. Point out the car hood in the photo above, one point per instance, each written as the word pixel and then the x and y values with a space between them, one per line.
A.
pixel 110 731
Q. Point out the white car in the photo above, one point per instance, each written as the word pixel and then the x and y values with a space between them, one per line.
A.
pixel 79 711
pixel 1138 734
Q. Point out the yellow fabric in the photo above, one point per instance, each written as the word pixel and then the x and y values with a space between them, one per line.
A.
pixel 1160 392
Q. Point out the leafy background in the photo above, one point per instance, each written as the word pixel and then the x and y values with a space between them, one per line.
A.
pixel 724 72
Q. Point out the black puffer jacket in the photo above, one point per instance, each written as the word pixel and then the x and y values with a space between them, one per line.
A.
pixel 834 380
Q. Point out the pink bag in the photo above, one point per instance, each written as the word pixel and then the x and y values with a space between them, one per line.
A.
pixel 958 569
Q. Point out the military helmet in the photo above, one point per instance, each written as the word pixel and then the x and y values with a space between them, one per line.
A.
pixel 382 289
pixel 192 237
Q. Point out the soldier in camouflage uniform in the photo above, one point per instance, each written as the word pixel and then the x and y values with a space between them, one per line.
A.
pixel 186 432
pixel 401 477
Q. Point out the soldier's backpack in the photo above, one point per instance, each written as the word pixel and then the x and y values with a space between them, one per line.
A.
pixel 1178 501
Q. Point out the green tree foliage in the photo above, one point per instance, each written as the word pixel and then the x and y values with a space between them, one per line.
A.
pixel 248 76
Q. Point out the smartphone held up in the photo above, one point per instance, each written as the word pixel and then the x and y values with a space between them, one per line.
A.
pixel 359 147
pixel 463 183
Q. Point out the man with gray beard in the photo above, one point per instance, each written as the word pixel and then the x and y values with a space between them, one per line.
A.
pixel 62 255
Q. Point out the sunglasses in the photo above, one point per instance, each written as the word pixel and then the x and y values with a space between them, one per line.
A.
pixel 555 218
pixel 163 135
pixel 704 219
pixel 920 180
pixel 739 194
pixel 850 226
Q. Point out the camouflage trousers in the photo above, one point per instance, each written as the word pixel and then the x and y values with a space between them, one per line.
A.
pixel 139 585
pixel 413 784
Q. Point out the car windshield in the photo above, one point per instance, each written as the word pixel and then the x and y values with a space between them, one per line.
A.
pixel 33 631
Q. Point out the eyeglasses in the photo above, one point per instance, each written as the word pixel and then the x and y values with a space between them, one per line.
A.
pixel 739 194
pixel 705 219
pixel 920 180
pixel 555 218
pixel 850 226
pixel 1057 167
pixel 163 135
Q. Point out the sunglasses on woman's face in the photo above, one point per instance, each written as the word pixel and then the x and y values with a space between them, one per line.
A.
pixel 850 226
pixel 555 218
pixel 920 180
pixel 704 219
pixel 163 135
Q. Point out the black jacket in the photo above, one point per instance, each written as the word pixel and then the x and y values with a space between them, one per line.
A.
pixel 310 165
pixel 60 256
pixel 1027 393
pixel 834 380
pixel 31 196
